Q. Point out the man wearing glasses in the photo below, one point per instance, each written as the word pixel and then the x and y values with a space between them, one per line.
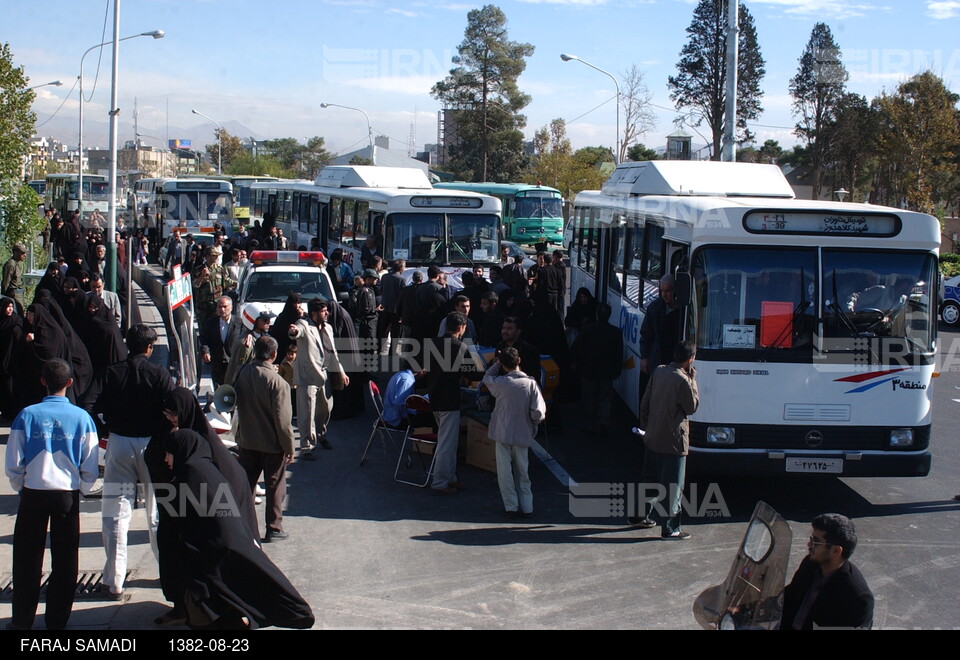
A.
pixel 828 591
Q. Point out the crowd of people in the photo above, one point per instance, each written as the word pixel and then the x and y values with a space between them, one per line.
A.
pixel 76 368
pixel 79 354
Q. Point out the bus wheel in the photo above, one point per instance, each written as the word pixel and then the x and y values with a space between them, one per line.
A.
pixel 950 313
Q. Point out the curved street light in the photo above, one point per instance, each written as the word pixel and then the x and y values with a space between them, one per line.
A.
pixel 219 141
pixel 55 83
pixel 156 34
pixel 347 107
pixel 567 58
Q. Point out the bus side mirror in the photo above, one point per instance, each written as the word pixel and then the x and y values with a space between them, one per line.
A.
pixel 682 289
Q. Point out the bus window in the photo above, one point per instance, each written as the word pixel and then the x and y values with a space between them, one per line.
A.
pixel 878 294
pixel 653 255
pixel 590 242
pixel 751 299
pixel 336 220
pixel 362 227
pixel 615 264
pixel 634 255
pixel 414 236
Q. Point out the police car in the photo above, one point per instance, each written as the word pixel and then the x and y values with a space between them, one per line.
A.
pixel 271 275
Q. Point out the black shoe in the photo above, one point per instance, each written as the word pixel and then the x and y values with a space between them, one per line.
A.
pixel 678 535
pixel 449 490
pixel 642 523
pixel 513 515
pixel 307 455
pixel 526 515
pixel 326 444
pixel 275 535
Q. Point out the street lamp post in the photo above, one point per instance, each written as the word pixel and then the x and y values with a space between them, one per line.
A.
pixel 366 116
pixel 156 34
pixel 55 83
pixel 567 58
pixel 219 140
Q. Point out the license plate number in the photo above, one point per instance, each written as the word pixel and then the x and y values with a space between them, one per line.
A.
pixel 817 465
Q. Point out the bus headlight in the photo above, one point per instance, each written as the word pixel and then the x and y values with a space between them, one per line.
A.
pixel 901 438
pixel 720 435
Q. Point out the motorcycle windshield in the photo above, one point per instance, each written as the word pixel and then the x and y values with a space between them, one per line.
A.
pixel 752 595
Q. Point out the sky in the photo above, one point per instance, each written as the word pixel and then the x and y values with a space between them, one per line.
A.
pixel 264 68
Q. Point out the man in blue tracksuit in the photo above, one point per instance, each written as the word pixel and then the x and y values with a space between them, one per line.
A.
pixel 51 458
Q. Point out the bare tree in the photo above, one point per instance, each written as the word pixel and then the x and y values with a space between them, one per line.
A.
pixel 639 117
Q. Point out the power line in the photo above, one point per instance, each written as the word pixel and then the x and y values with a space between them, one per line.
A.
pixel 61 104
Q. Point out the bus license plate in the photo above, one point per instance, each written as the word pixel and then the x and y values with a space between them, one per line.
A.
pixel 817 465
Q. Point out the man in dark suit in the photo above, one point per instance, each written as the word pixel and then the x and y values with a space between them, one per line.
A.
pixel 828 591
pixel 218 335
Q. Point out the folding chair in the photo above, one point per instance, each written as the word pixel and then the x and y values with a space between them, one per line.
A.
pixel 380 425
pixel 412 443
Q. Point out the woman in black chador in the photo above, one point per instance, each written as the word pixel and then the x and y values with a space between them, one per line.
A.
pixel 11 332
pixel 211 566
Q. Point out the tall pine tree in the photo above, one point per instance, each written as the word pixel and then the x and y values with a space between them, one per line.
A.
pixel 701 80
pixel 817 90
pixel 483 92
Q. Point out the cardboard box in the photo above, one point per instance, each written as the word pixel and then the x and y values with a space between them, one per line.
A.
pixel 481 450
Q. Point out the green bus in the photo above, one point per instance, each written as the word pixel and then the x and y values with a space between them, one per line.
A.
pixel 531 213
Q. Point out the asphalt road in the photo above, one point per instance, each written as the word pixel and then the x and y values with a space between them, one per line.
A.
pixel 367 552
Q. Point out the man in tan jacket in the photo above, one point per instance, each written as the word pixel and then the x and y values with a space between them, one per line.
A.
pixel 265 430
pixel 317 366
pixel 670 397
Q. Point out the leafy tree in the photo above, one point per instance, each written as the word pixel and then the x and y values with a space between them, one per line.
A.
pixel 302 161
pixel 851 159
pixel 229 146
pixel 314 156
pixel 285 150
pixel 771 153
pixel 360 160
pixel 918 138
pixel 19 221
pixel 596 156
pixel 700 83
pixel 639 151
pixel 483 90
pixel 817 90
pixel 639 117
pixel 247 163
pixel 556 165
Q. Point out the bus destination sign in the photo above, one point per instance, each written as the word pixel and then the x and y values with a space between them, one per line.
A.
pixel 446 202
pixel 839 224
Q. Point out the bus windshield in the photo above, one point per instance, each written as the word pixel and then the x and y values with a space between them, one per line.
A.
pixel 423 237
pixel 879 294
pixel 766 299
pixel 193 206
pixel 473 238
pixel 538 207
pixel 752 299
pixel 92 190
pixel 414 237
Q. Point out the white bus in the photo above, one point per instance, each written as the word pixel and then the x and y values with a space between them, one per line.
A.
pixel 453 230
pixel 815 321
pixel 61 194
pixel 192 203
